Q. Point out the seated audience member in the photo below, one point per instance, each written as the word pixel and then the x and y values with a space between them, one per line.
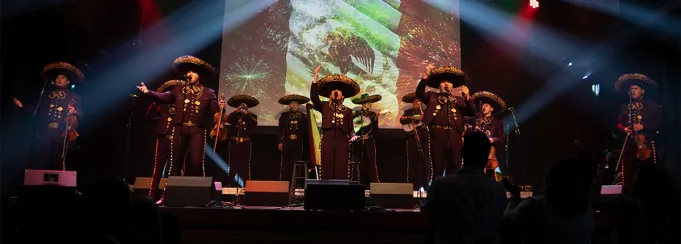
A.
pixel 563 214
pixel 467 207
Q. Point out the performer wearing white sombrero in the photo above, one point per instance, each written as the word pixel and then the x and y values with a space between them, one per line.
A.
pixel 640 119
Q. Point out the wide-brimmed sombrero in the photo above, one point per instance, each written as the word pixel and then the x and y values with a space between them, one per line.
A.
pixel 627 80
pixel 169 84
pixel 52 70
pixel 366 98
pixel 492 99
pixel 237 100
pixel 285 100
pixel 447 73
pixel 188 63
pixel 348 86
pixel 409 98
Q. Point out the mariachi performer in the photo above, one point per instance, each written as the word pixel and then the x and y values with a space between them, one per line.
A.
pixel 444 115
pixel 164 114
pixel 196 105
pixel 489 105
pixel 57 114
pixel 366 126
pixel 242 123
pixel 640 119
pixel 292 134
pixel 418 163
pixel 337 128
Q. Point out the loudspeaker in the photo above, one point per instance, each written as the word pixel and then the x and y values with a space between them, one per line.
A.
pixel 50 177
pixel 611 189
pixel 142 184
pixel 266 193
pixel 189 191
pixel 392 195
pixel 333 195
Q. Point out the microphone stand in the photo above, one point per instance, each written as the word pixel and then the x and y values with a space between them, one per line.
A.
pixel 335 110
pixel 631 122
pixel 517 131
pixel 35 112
pixel 128 138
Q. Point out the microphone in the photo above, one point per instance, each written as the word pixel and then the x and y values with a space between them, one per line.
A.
pixel 133 95
pixel 335 95
pixel 188 78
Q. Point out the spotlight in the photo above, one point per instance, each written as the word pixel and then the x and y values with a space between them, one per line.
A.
pixel 596 89
pixel 570 64
pixel 584 77
pixel 534 3
pixel 73 86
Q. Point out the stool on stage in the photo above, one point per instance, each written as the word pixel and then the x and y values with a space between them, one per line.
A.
pixel 355 171
pixel 299 175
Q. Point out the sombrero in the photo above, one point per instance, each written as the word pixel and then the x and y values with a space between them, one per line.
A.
pixel 349 87
pixel 285 100
pixel 492 99
pixel 366 98
pixel 627 80
pixel 447 73
pixel 169 84
pixel 71 72
pixel 409 98
pixel 187 63
pixel 237 100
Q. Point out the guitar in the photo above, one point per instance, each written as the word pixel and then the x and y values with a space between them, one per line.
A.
pixel 364 121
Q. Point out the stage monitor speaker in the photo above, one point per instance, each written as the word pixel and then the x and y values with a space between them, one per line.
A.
pixel 189 191
pixel 392 195
pixel 142 184
pixel 337 195
pixel 266 193
pixel 611 189
pixel 50 177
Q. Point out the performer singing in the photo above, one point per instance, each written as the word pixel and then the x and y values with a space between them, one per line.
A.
pixel 445 112
pixel 199 104
pixel 366 126
pixel 57 114
pixel 490 105
pixel 242 123
pixel 164 114
pixel 639 119
pixel 292 134
pixel 337 129
pixel 418 163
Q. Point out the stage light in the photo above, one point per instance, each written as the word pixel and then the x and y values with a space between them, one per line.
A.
pixel 570 64
pixel 596 89
pixel 585 76
pixel 534 3
pixel 73 86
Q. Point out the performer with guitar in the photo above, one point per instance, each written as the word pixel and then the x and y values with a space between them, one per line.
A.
pixel 292 134
pixel 242 123
pixel 163 113
pixel 490 105
pixel 418 160
pixel 640 119
pixel 57 113
pixel 444 115
pixel 337 128
pixel 366 126
pixel 198 105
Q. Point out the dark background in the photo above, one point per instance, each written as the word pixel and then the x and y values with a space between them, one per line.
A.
pixel 35 33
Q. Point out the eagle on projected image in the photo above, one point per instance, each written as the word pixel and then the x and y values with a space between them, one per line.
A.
pixel 343 45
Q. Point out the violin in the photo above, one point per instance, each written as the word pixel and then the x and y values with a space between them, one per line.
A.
pixel 70 133
pixel 492 162
pixel 643 152
pixel 218 130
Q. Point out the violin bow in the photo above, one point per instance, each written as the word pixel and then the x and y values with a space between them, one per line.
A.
pixel 217 131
